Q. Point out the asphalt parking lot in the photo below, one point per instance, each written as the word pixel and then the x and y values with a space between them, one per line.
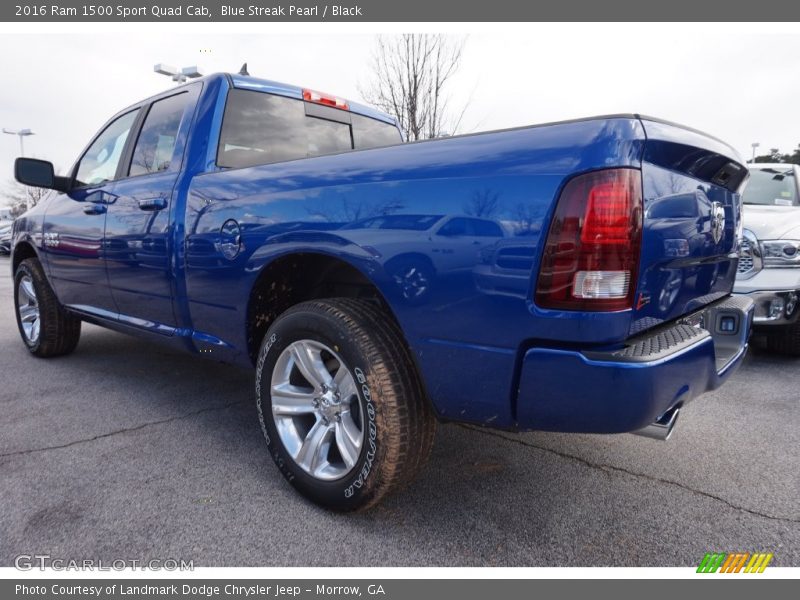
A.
pixel 127 450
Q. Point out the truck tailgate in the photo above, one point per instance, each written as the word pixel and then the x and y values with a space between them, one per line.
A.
pixel 691 226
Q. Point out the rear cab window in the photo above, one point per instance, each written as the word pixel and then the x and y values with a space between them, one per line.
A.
pixel 260 128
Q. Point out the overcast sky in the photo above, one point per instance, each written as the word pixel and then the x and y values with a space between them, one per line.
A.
pixel 742 88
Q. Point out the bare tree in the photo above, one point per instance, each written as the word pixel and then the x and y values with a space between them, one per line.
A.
pixel 410 76
pixel 21 197
pixel 350 210
pixel 527 219
pixel 483 203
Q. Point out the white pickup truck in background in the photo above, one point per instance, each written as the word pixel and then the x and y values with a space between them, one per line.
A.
pixel 769 259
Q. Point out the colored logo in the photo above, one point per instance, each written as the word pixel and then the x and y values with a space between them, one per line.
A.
pixel 736 562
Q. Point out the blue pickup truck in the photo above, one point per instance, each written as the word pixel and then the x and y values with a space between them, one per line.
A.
pixel 571 277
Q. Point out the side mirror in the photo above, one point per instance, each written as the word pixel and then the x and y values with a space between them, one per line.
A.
pixel 38 173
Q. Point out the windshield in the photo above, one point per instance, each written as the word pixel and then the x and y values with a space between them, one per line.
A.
pixel 405 222
pixel 772 187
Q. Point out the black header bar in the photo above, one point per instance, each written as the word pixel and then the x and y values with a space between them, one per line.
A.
pixel 398 11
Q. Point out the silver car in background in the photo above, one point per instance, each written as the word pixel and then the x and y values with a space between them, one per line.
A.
pixel 769 259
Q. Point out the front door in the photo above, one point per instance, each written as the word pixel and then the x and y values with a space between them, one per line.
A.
pixel 75 221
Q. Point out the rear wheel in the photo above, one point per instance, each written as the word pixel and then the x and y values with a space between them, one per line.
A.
pixel 785 340
pixel 45 327
pixel 340 403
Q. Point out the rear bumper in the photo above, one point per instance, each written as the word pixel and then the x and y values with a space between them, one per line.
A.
pixel 627 388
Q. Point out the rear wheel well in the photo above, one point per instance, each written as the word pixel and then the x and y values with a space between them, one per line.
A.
pixel 297 278
pixel 22 251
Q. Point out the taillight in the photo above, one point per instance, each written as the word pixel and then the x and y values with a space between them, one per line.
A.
pixel 324 99
pixel 591 256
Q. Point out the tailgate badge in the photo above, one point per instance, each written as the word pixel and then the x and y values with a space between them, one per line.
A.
pixel 717 221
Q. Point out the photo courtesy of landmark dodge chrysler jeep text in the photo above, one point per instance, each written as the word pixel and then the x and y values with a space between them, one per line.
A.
pixel 570 277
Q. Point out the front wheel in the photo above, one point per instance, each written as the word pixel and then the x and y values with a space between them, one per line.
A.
pixel 45 327
pixel 340 403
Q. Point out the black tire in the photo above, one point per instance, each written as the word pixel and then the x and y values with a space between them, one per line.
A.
pixel 785 340
pixel 397 421
pixel 58 331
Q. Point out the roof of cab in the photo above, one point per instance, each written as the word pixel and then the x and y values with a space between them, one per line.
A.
pixel 246 82
pixel 262 85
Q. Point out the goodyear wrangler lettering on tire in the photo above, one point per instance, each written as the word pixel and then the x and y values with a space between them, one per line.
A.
pixel 372 434
pixel 259 369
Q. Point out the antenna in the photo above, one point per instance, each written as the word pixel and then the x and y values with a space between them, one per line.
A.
pixel 243 70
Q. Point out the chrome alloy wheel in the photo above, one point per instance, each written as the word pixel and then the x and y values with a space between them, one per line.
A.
pixel 28 308
pixel 317 409
pixel 412 282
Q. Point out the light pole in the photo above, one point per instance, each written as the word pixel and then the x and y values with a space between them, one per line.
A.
pixel 754 146
pixel 178 75
pixel 21 133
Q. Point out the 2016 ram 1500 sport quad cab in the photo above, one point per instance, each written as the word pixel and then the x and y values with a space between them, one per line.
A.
pixel 567 277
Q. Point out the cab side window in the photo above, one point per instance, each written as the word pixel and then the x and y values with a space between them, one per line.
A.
pixel 156 143
pixel 455 227
pixel 99 163
pixel 481 228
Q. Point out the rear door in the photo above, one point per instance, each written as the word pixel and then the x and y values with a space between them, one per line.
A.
pixel 485 232
pixel 138 229
pixel 453 245
pixel 459 240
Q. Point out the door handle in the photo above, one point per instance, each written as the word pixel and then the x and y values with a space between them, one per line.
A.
pixel 94 209
pixel 151 204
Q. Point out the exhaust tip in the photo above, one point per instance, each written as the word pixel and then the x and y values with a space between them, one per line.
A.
pixel 661 428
